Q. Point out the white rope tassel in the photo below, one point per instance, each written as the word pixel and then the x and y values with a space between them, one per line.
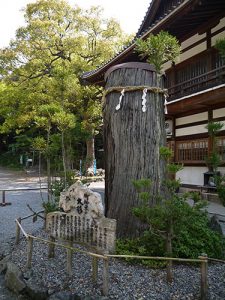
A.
pixel 144 100
pixel 120 100
pixel 165 106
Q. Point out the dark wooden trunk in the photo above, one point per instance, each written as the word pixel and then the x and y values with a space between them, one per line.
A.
pixel 132 139
pixel 90 143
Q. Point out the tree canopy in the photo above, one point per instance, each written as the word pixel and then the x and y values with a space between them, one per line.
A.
pixel 40 69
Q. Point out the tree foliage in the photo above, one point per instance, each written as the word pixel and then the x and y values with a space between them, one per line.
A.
pixel 220 46
pixel 173 227
pixel 40 86
pixel 158 49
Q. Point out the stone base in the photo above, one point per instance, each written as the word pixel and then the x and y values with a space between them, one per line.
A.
pixel 212 197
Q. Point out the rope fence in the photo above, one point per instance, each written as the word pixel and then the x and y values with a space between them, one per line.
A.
pixel 4 203
pixel 202 260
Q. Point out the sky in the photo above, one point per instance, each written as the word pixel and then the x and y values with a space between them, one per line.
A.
pixel 129 14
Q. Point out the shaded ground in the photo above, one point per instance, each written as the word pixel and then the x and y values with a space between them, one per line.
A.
pixel 4 293
pixel 19 201
pixel 18 208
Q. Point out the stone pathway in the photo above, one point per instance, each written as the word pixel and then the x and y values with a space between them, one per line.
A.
pixel 18 208
pixel 19 201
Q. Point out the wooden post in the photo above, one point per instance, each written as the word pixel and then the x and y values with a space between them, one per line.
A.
pixel 51 248
pixel 69 259
pixel 94 269
pixel 29 251
pixel 4 203
pixel 169 251
pixel 3 197
pixel 105 288
pixel 18 231
pixel 204 279
pixel 169 274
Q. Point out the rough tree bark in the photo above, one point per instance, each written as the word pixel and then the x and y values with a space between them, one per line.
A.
pixel 90 144
pixel 132 139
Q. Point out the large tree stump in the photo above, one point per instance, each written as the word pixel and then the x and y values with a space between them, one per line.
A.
pixel 132 139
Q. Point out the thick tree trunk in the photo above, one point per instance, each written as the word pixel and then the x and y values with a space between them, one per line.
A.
pixel 132 139
pixel 90 144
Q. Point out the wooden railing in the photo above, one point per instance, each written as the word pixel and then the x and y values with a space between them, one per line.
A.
pixel 196 151
pixel 221 147
pixel 192 151
pixel 194 75
pixel 197 84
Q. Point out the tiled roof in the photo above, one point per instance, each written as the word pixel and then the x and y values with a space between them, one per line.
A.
pixel 140 34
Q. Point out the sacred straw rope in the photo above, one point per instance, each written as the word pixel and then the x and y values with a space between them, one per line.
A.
pixel 133 89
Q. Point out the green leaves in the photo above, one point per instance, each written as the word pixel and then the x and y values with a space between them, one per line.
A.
pixel 214 127
pixel 158 49
pixel 165 153
pixel 173 221
pixel 39 144
pixel 141 184
pixel 213 160
pixel 220 45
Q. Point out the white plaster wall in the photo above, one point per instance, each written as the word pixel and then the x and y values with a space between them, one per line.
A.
pixel 167 65
pixel 193 118
pixel 193 39
pixel 221 35
pixel 218 113
pixel 199 48
pixel 223 122
pixel 192 175
pixel 191 130
pixel 221 170
pixel 220 25
pixel 193 51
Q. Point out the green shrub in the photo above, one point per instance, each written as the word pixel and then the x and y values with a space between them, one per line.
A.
pixel 10 160
pixel 50 206
pixel 194 237
pixel 174 228
pixel 220 187
pixel 146 245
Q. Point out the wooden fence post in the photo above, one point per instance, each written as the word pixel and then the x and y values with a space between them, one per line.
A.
pixel 69 259
pixel 169 273
pixel 29 251
pixel 204 279
pixel 94 269
pixel 3 198
pixel 18 231
pixel 51 248
pixel 4 203
pixel 105 288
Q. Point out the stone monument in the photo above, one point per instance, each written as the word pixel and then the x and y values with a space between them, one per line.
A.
pixel 82 220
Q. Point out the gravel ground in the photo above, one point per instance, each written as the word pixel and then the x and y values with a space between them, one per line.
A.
pixel 127 282
pixel 4 293
pixel 18 208
pixel 19 199
pixel 10 179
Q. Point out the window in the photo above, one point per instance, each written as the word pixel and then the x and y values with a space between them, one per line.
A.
pixel 192 151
